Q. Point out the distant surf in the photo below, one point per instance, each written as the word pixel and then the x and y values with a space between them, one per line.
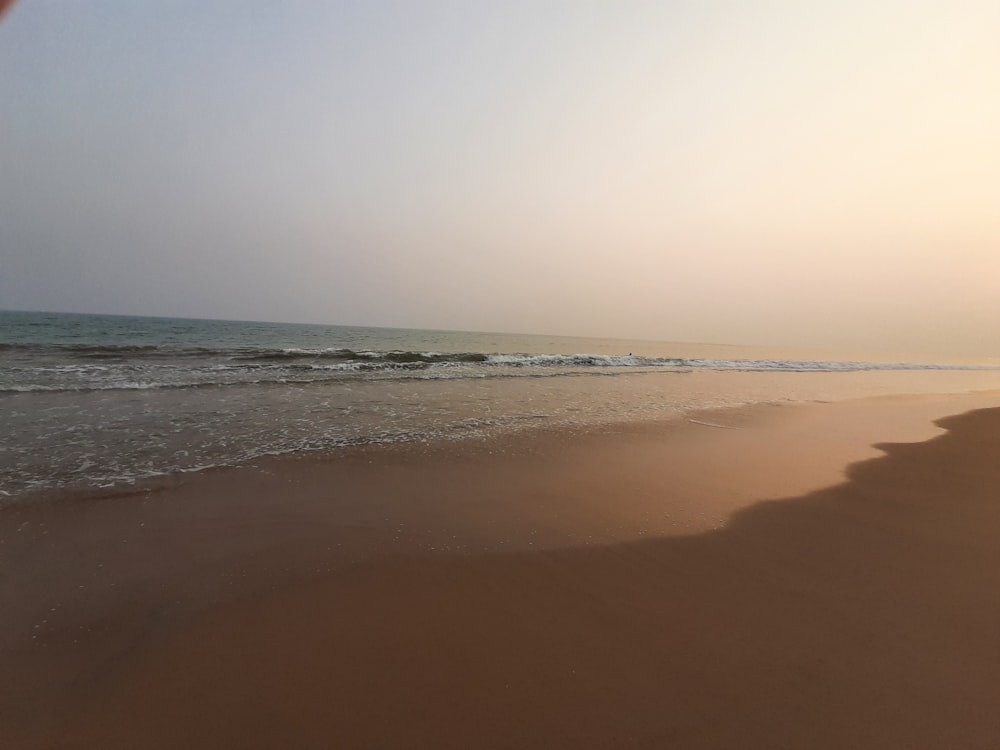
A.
pixel 29 367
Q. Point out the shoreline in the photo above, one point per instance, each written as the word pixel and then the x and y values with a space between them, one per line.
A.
pixel 407 582
pixel 58 443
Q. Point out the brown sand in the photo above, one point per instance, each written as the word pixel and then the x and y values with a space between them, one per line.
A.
pixel 623 588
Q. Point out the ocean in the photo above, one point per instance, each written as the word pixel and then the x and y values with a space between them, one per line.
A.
pixel 92 402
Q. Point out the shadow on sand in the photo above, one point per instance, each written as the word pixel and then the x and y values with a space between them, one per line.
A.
pixel 866 615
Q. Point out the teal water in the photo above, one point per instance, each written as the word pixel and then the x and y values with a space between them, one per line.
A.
pixel 57 351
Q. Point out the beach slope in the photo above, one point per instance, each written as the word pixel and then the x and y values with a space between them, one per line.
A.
pixel 864 612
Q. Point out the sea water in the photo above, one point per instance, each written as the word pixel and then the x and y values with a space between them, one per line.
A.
pixel 94 401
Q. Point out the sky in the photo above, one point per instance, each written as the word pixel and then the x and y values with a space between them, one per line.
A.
pixel 776 172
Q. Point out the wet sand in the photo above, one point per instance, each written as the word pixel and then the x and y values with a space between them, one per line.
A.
pixel 820 576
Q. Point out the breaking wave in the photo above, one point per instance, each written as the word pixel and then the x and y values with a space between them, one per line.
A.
pixel 250 356
pixel 136 367
pixel 349 355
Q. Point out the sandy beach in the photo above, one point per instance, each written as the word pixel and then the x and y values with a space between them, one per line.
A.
pixel 808 576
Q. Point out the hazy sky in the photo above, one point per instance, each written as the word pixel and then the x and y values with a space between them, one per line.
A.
pixel 788 172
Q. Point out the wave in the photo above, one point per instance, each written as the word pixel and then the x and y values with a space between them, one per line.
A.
pixel 819 366
pixel 362 360
pixel 236 354
pixel 249 356
pixel 388 358
pixel 80 367
pixel 147 386
pixel 349 355
pixel 109 351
